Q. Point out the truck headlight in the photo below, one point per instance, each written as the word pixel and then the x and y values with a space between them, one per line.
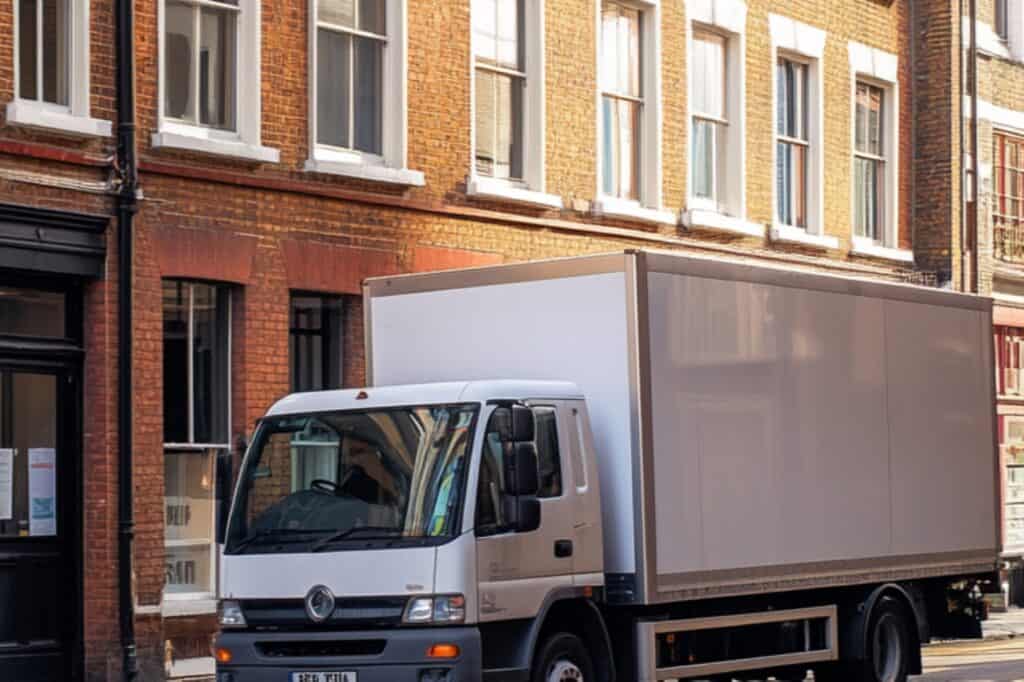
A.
pixel 231 615
pixel 439 610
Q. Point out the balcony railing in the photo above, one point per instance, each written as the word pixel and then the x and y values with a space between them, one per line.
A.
pixel 1008 242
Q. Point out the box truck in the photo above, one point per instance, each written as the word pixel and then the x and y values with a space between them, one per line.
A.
pixel 636 466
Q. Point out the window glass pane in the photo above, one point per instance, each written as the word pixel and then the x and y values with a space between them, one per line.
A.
pixel 783 176
pixel 27 51
pixel 490 511
pixel 609 47
pixel 709 75
pixel 333 85
pixel 217 69
pixel 55 51
pixel 498 125
pixel 189 517
pixel 340 12
pixel 485 29
pixel 703 159
pixel 316 342
pixel 497 32
pixel 620 50
pixel 508 25
pixel 368 67
pixel 621 152
pixel 209 363
pixel 179 87
pixel 868 197
pixel 176 305
pixel 549 463
pixel 868 122
pixel 29 312
pixel 781 98
pixel 371 16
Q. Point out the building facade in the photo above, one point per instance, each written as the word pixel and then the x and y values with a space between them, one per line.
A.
pixel 288 149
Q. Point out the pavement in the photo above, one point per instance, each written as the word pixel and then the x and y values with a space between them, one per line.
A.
pixel 1005 625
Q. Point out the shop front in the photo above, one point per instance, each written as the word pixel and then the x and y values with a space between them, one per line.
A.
pixel 47 259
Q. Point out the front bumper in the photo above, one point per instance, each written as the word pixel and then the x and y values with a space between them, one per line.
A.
pixel 403 658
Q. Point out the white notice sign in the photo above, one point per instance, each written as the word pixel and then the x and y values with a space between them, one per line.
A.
pixel 42 491
pixel 6 484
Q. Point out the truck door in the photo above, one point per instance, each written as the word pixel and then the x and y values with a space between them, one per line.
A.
pixel 516 571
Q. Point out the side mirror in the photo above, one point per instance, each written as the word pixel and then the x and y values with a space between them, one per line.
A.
pixel 521 477
pixel 513 424
pixel 523 513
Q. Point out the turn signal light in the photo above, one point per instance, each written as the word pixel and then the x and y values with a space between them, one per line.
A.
pixel 443 651
pixel 223 655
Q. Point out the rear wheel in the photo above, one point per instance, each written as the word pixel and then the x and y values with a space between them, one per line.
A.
pixel 562 658
pixel 887 656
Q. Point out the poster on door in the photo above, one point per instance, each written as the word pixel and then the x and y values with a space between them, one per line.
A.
pixel 6 484
pixel 42 491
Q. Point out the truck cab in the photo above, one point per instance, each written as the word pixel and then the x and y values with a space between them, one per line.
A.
pixel 391 533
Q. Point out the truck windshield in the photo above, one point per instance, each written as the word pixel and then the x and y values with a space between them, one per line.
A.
pixel 329 478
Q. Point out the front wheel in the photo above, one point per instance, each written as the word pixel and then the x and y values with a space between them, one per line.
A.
pixel 562 658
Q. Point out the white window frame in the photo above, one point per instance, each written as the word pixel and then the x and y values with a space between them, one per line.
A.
pixel 805 44
pixel 391 165
pixel 727 212
pixel 244 141
pixel 201 601
pixel 649 207
pixel 881 69
pixel 532 189
pixel 75 117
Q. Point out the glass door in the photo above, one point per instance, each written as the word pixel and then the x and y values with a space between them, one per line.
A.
pixel 38 595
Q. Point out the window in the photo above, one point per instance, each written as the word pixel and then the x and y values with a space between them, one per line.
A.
pixel 201 38
pixel 500 75
pixel 350 41
pixel 210 79
pixel 1008 202
pixel 43 59
pixel 51 67
pixel 316 342
pixel 1002 17
pixel 716 117
pixel 357 90
pixel 549 463
pixel 791 159
pixel 196 428
pixel 869 162
pixel 622 101
pixel 708 109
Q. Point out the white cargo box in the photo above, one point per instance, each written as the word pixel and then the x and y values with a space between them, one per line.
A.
pixel 757 429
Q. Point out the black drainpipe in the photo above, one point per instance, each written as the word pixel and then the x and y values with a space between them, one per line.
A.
pixel 126 208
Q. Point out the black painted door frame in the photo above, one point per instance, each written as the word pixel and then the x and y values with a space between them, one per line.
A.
pixel 63 360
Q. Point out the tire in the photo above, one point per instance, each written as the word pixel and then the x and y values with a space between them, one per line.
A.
pixel 563 658
pixel 888 652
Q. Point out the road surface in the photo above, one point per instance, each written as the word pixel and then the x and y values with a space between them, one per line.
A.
pixel 991 661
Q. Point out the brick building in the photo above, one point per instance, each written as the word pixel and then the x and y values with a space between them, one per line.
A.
pixel 996 107
pixel 290 148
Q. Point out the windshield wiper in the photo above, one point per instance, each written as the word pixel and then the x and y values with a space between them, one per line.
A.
pixel 267 533
pixel 386 531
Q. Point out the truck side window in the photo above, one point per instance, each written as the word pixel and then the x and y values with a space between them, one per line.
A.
pixel 491 487
pixel 549 462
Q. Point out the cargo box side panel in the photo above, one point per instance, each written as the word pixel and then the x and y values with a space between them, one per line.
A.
pixel 940 421
pixel 572 329
pixel 769 428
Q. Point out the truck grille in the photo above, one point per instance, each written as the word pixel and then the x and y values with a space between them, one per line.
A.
pixel 353 613
pixel 322 649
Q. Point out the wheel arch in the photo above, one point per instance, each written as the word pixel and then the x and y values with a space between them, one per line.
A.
pixel 853 634
pixel 581 617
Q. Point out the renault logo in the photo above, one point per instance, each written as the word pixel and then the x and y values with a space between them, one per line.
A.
pixel 319 604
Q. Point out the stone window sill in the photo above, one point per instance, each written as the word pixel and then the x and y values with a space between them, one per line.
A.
pixel 488 188
pixel 613 207
pixel 366 171
pixel 712 220
pixel 50 117
pixel 209 141
pixel 871 249
pixel 171 608
pixel 787 234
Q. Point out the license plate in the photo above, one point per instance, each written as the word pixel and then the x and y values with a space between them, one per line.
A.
pixel 324 677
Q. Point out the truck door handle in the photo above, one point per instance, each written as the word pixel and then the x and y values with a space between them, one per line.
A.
pixel 563 548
